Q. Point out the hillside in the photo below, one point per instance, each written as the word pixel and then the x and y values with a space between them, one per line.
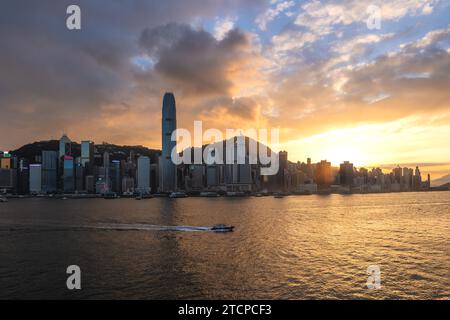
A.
pixel 441 181
pixel 30 151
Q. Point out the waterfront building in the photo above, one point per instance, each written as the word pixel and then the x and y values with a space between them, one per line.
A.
pixel 7 180
pixel 5 163
pixel 197 174
pixel 169 124
pixel 127 185
pixel 106 169
pixel 87 153
pixel 68 174
pixel 79 177
pixel 417 181
pixel 49 171
pixel 23 177
pixel 35 178
pixel 323 176
pixel 143 175
pixel 90 183
pixel 283 164
pixel 65 146
pixel 212 176
pixel 115 177
pixel 397 173
pixel 154 177
pixel 346 173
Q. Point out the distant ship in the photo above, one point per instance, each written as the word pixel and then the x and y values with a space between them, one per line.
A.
pixel 178 194
pixel 3 199
pixel 279 195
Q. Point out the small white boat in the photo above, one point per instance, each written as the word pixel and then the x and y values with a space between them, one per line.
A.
pixel 3 199
pixel 178 194
pixel 222 228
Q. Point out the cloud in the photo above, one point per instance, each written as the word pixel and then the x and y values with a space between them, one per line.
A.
pixel 53 79
pixel 321 18
pixel 360 42
pixel 371 92
pixel 322 73
pixel 270 14
pixel 222 27
pixel 434 37
pixel 194 61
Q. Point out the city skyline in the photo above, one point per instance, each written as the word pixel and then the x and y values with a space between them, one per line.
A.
pixel 336 89
pixel 88 171
pixel 386 168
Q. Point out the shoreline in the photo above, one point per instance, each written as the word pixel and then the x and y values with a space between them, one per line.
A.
pixel 254 195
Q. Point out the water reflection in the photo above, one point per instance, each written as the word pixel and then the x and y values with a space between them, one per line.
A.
pixel 295 247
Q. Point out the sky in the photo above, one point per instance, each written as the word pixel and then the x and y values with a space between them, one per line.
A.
pixel 335 87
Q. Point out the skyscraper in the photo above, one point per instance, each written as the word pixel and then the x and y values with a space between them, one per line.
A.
pixel 283 159
pixel 143 174
pixel 64 146
pixel 323 175
pixel 87 153
pixel 106 166
pixel 49 171
pixel 169 124
pixel 68 174
pixel 35 178
pixel 346 173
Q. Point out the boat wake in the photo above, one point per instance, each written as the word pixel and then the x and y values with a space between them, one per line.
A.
pixel 144 227
pixel 103 226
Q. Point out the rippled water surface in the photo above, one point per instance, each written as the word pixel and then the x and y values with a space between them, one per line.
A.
pixel 299 247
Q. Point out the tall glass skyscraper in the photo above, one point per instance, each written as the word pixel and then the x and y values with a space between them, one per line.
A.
pixel 64 146
pixel 87 153
pixel 49 171
pixel 143 174
pixel 169 124
pixel 69 174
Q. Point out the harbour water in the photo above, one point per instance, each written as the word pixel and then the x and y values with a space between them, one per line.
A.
pixel 297 247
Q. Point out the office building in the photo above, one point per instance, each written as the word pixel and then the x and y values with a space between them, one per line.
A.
pixel 6 163
pixel 87 153
pixel 169 124
pixel 35 178
pixel 115 177
pixel 65 146
pixel 346 173
pixel 143 174
pixel 68 174
pixel 323 175
pixel 49 171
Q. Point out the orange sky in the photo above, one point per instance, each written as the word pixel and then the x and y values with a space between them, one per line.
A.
pixel 336 89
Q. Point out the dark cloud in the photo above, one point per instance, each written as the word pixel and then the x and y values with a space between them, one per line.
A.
pixel 193 60
pixel 53 79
